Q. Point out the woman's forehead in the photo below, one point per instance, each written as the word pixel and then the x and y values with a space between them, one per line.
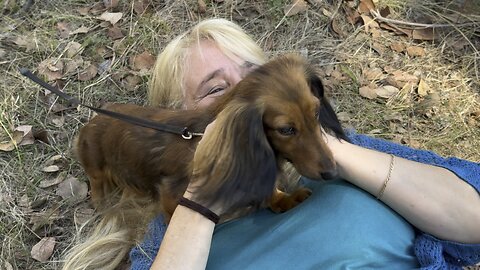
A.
pixel 207 51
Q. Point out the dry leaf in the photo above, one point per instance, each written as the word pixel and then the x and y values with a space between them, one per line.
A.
pixel 384 11
pixel 415 51
pixel 379 48
pixel 110 4
pixel 143 61
pixel 97 8
pixel 7 266
pixel 376 131
pixel 365 6
pixel 22 135
pixel 428 106
pixel 73 66
pixel 387 91
pixel 112 17
pixel 26 42
pixel 327 12
pixel 43 249
pixel 202 7
pixel 120 46
pixel 82 215
pixel 24 202
pixel 104 52
pixel 89 73
pixel 73 49
pixel 376 33
pixel 51 168
pixel 343 116
pixel 63 29
pixel 389 69
pixel 400 130
pixel 338 76
pixel 51 68
pixel 54 159
pixel 83 10
pixel 58 120
pixel 373 74
pixel 39 202
pixel 139 6
pixel 352 15
pixel 41 135
pixel 369 23
pixel 424 34
pixel 71 188
pixel 47 217
pixel 7 146
pixel 132 81
pixel 115 33
pixel 80 30
pixel 368 92
pixel 335 26
pixel 423 88
pixel 404 76
pixel 395 117
pixel 418 34
pixel 27 134
pixel 398 47
pixel 104 66
pixel 295 7
pixel 399 79
pixel 51 182
pixel 6 198
pixel 395 29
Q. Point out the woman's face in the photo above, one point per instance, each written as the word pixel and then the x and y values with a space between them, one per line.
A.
pixel 210 73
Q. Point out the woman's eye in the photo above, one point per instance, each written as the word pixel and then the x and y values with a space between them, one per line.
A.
pixel 216 89
pixel 287 131
pixel 249 65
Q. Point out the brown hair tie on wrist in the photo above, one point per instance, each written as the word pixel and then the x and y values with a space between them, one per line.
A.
pixel 199 209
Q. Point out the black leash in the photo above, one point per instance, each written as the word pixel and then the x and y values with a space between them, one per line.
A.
pixel 183 131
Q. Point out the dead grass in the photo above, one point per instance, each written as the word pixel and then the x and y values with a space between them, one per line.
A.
pixel 448 123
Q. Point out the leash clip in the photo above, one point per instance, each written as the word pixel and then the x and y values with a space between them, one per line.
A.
pixel 187 135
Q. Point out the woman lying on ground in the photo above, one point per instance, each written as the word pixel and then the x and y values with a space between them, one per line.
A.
pixel 427 213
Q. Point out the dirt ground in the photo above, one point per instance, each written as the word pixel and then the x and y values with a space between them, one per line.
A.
pixel 408 73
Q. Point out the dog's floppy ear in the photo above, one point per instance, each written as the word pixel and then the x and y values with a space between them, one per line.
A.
pixel 327 116
pixel 237 159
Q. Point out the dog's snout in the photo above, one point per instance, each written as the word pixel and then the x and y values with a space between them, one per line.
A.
pixel 329 175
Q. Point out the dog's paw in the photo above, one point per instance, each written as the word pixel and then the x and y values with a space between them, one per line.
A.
pixel 282 202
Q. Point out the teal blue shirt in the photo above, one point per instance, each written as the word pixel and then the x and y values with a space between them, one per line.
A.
pixel 344 227
pixel 337 227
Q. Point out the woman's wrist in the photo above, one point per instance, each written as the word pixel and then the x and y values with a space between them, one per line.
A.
pixel 339 150
pixel 215 208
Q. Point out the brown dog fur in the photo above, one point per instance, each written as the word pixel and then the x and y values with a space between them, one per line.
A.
pixel 270 117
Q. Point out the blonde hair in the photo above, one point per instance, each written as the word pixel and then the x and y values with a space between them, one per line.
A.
pixel 166 85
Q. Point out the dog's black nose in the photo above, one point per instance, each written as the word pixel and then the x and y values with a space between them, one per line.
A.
pixel 329 175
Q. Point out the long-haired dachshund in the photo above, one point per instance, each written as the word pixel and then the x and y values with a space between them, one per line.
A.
pixel 272 116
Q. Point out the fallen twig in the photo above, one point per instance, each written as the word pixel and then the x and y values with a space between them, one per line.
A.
pixel 377 16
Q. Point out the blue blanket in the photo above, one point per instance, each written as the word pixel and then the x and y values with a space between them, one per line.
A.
pixel 431 252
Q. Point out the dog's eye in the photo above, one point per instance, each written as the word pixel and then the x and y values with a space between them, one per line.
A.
pixel 287 131
pixel 317 115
